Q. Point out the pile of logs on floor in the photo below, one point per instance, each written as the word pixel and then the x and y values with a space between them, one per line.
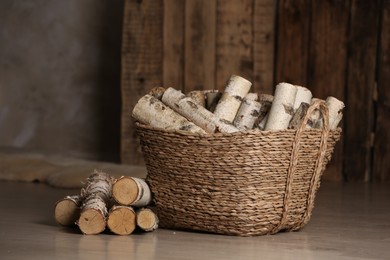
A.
pixel 236 109
pixel 121 205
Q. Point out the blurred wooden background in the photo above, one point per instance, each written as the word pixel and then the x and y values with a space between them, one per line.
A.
pixel 333 47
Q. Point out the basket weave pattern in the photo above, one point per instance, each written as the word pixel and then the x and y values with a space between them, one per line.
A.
pixel 245 183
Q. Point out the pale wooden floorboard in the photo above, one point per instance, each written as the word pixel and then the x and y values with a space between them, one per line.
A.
pixel 350 221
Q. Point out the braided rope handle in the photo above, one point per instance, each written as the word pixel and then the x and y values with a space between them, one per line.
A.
pixel 321 105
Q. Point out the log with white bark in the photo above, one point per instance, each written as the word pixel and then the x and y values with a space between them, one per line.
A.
pixel 282 108
pixel 147 220
pixel 315 120
pixel 298 116
pixel 266 101
pixel 202 117
pixel 157 92
pixel 335 107
pixel 199 115
pixel 198 96
pixel 247 114
pixel 67 210
pixel 212 99
pixel 151 111
pixel 252 96
pixel 131 191
pixel 303 95
pixel 97 194
pixel 232 97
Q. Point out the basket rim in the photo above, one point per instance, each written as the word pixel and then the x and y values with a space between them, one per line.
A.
pixel 219 134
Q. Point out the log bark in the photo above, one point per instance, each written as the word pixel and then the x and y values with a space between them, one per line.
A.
pixel 198 97
pixel 157 92
pixel 298 116
pixel 212 99
pixel 252 96
pixel 67 210
pixel 266 102
pixel 121 220
pixel 97 194
pixel 93 215
pixel 315 120
pixel 282 108
pixel 335 107
pixel 131 191
pixel 151 111
pixel 147 220
pixel 247 114
pixel 232 97
pixel 303 95
pixel 199 115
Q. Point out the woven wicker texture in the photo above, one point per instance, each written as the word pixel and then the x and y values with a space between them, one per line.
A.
pixel 245 183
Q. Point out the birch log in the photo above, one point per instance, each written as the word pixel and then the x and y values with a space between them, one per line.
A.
pixel 303 95
pixel 266 102
pixel 212 99
pixel 232 97
pixel 171 97
pixel 282 108
pixel 198 97
pixel 247 114
pixel 201 117
pixel 151 111
pixel 157 92
pixel 315 120
pixel 335 107
pixel 97 195
pixel 67 210
pixel 252 96
pixel 121 220
pixel 298 116
pixel 131 191
pixel 147 220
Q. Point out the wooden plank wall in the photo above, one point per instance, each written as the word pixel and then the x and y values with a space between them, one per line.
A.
pixel 338 48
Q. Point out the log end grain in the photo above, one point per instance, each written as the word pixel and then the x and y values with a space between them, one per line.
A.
pixel 91 222
pixel 125 191
pixel 121 220
pixel 66 212
pixel 147 220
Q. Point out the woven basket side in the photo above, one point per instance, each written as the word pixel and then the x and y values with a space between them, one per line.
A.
pixel 225 184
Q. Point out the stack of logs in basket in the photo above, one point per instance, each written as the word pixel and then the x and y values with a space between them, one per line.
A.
pixel 236 109
pixel 119 204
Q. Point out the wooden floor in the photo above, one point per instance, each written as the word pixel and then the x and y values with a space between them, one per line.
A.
pixel 350 221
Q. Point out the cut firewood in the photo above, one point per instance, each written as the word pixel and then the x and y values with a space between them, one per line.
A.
pixel 157 92
pixel 247 114
pixel 147 220
pixel 97 194
pixel 131 191
pixel 266 101
pixel 282 108
pixel 232 97
pixel 335 107
pixel 315 120
pixel 67 210
pixel 212 99
pixel 151 111
pixel 303 95
pixel 298 116
pixel 198 96
pixel 121 220
pixel 252 96
pixel 93 215
pixel 199 115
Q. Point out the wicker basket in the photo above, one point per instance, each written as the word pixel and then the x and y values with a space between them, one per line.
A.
pixel 245 183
